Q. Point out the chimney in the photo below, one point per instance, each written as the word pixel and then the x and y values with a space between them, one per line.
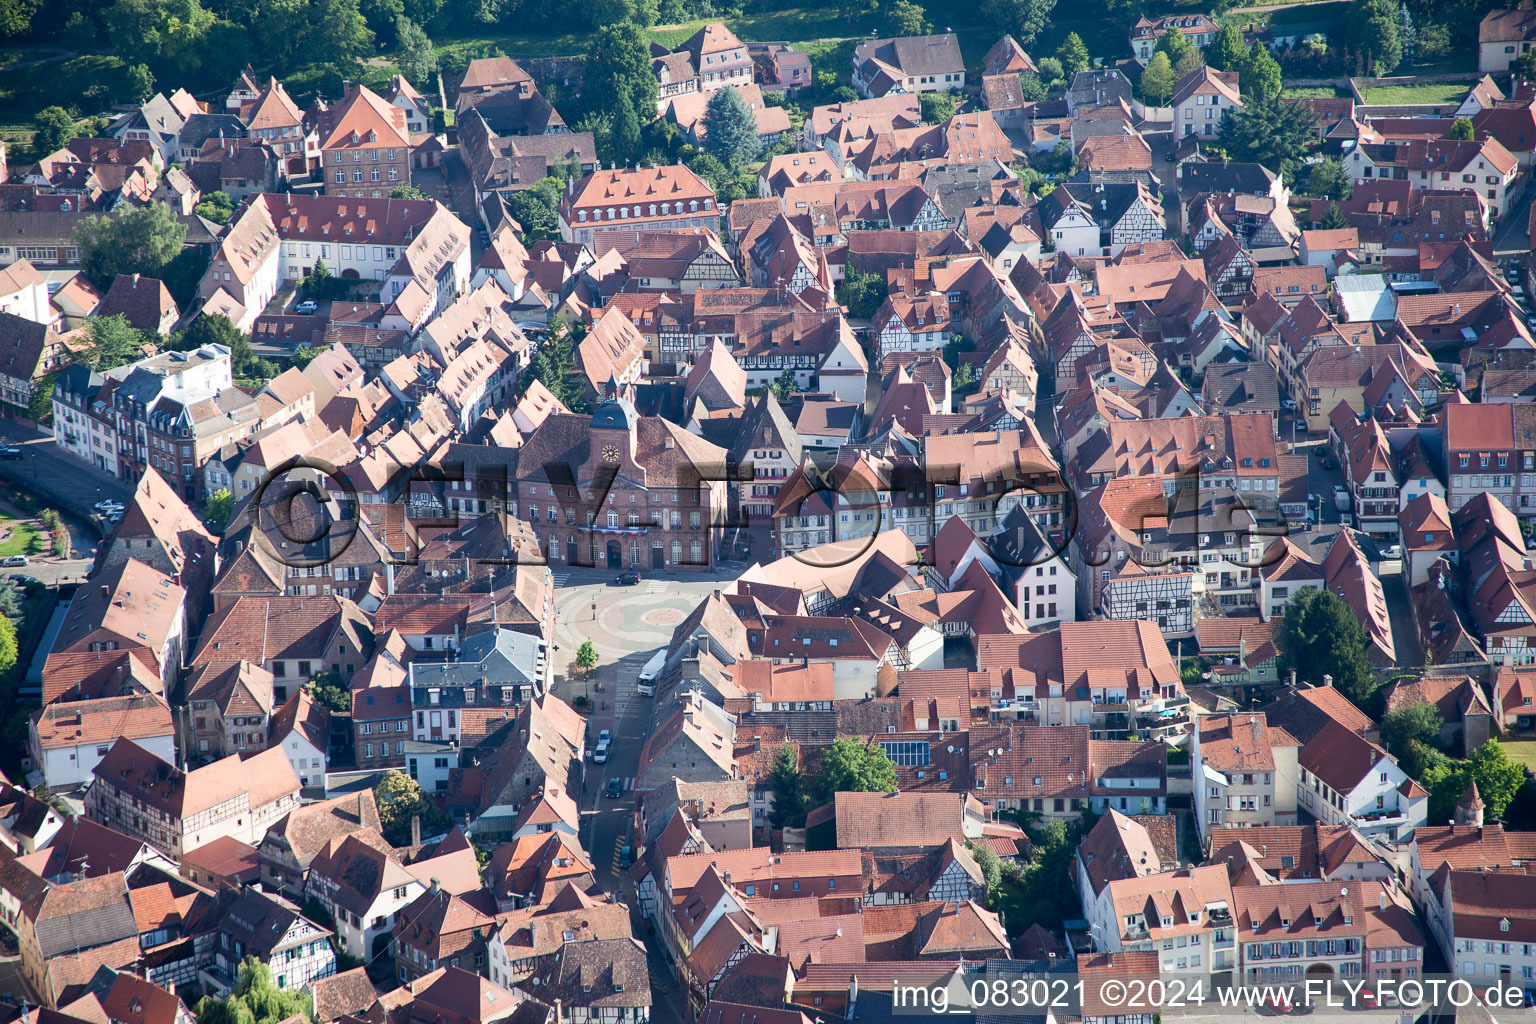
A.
pixel 757 744
pixel 436 885
pixel 415 830
pixel 1381 902
pixel 1327 680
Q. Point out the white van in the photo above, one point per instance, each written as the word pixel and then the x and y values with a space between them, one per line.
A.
pixel 645 685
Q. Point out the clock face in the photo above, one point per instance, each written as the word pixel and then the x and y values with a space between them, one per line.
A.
pixel 611 452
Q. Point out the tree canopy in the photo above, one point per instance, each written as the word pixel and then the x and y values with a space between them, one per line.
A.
pixel 905 18
pixel 1157 79
pixel 1319 636
pixel 139 240
pixel 1328 179
pixel 1174 43
pixel 1462 130
pixel 618 72
pixel 1023 19
pixel 854 766
pixel 1226 51
pixel 861 293
pixel 1374 27
pixel 1073 54
pixel 255 999
pixel 730 128
pixel 52 128
pixel 400 799
pixel 1497 775
pixel 787 784
pixel 1274 132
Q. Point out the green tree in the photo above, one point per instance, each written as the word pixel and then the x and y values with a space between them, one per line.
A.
pixel 1191 61
pixel 168 32
pixel 991 869
pixel 1022 18
pixel 217 510
pixel 8 648
pixel 413 51
pixel 1073 54
pixel 1319 636
pixel 326 689
pixel 303 356
pixel 1406 32
pixel 319 283
pixel 1259 74
pixel 216 206
pixel 1328 179
pixel 218 330
pixel 40 406
pixel 1414 723
pixel 52 127
pixel 407 192
pixel 861 294
pixel 1373 28
pixel 1051 71
pixel 1334 219
pixel 1434 42
pixel 400 799
pixel 340 34
pixel 16 16
pixel 1276 133
pixel 905 18
pixel 1462 129
pixel 1226 52
pixel 730 129
pixel 854 766
pixel 537 210
pixel 141 83
pixel 255 999
pixel 586 657
pixel 112 342
pixel 139 240
pixel 618 69
pixel 1175 44
pixel 785 385
pixel 852 10
pixel 1498 779
pixel 786 782
pixel 1031 88
pixel 1157 79
pixel 938 107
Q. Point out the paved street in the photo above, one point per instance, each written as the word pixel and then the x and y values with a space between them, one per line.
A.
pixel 56 475
pixel 627 625
pixel 630 625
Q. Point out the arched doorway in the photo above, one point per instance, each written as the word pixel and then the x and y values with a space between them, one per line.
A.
pixel 615 555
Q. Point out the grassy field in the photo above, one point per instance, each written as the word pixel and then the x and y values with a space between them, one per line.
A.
pixel 24 538
pixel 1523 751
pixel 1428 92
pixel 1314 92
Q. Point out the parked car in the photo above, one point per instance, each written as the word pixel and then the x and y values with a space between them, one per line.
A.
pixel 626 857
pixel 600 755
pixel 615 788
pixel 8 452
pixel 628 579
pixel 1340 498
pixel 27 581
pixel 604 738
pixel 1392 551
pixel 15 560
pixel 306 307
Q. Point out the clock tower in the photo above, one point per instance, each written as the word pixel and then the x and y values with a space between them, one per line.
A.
pixel 611 435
